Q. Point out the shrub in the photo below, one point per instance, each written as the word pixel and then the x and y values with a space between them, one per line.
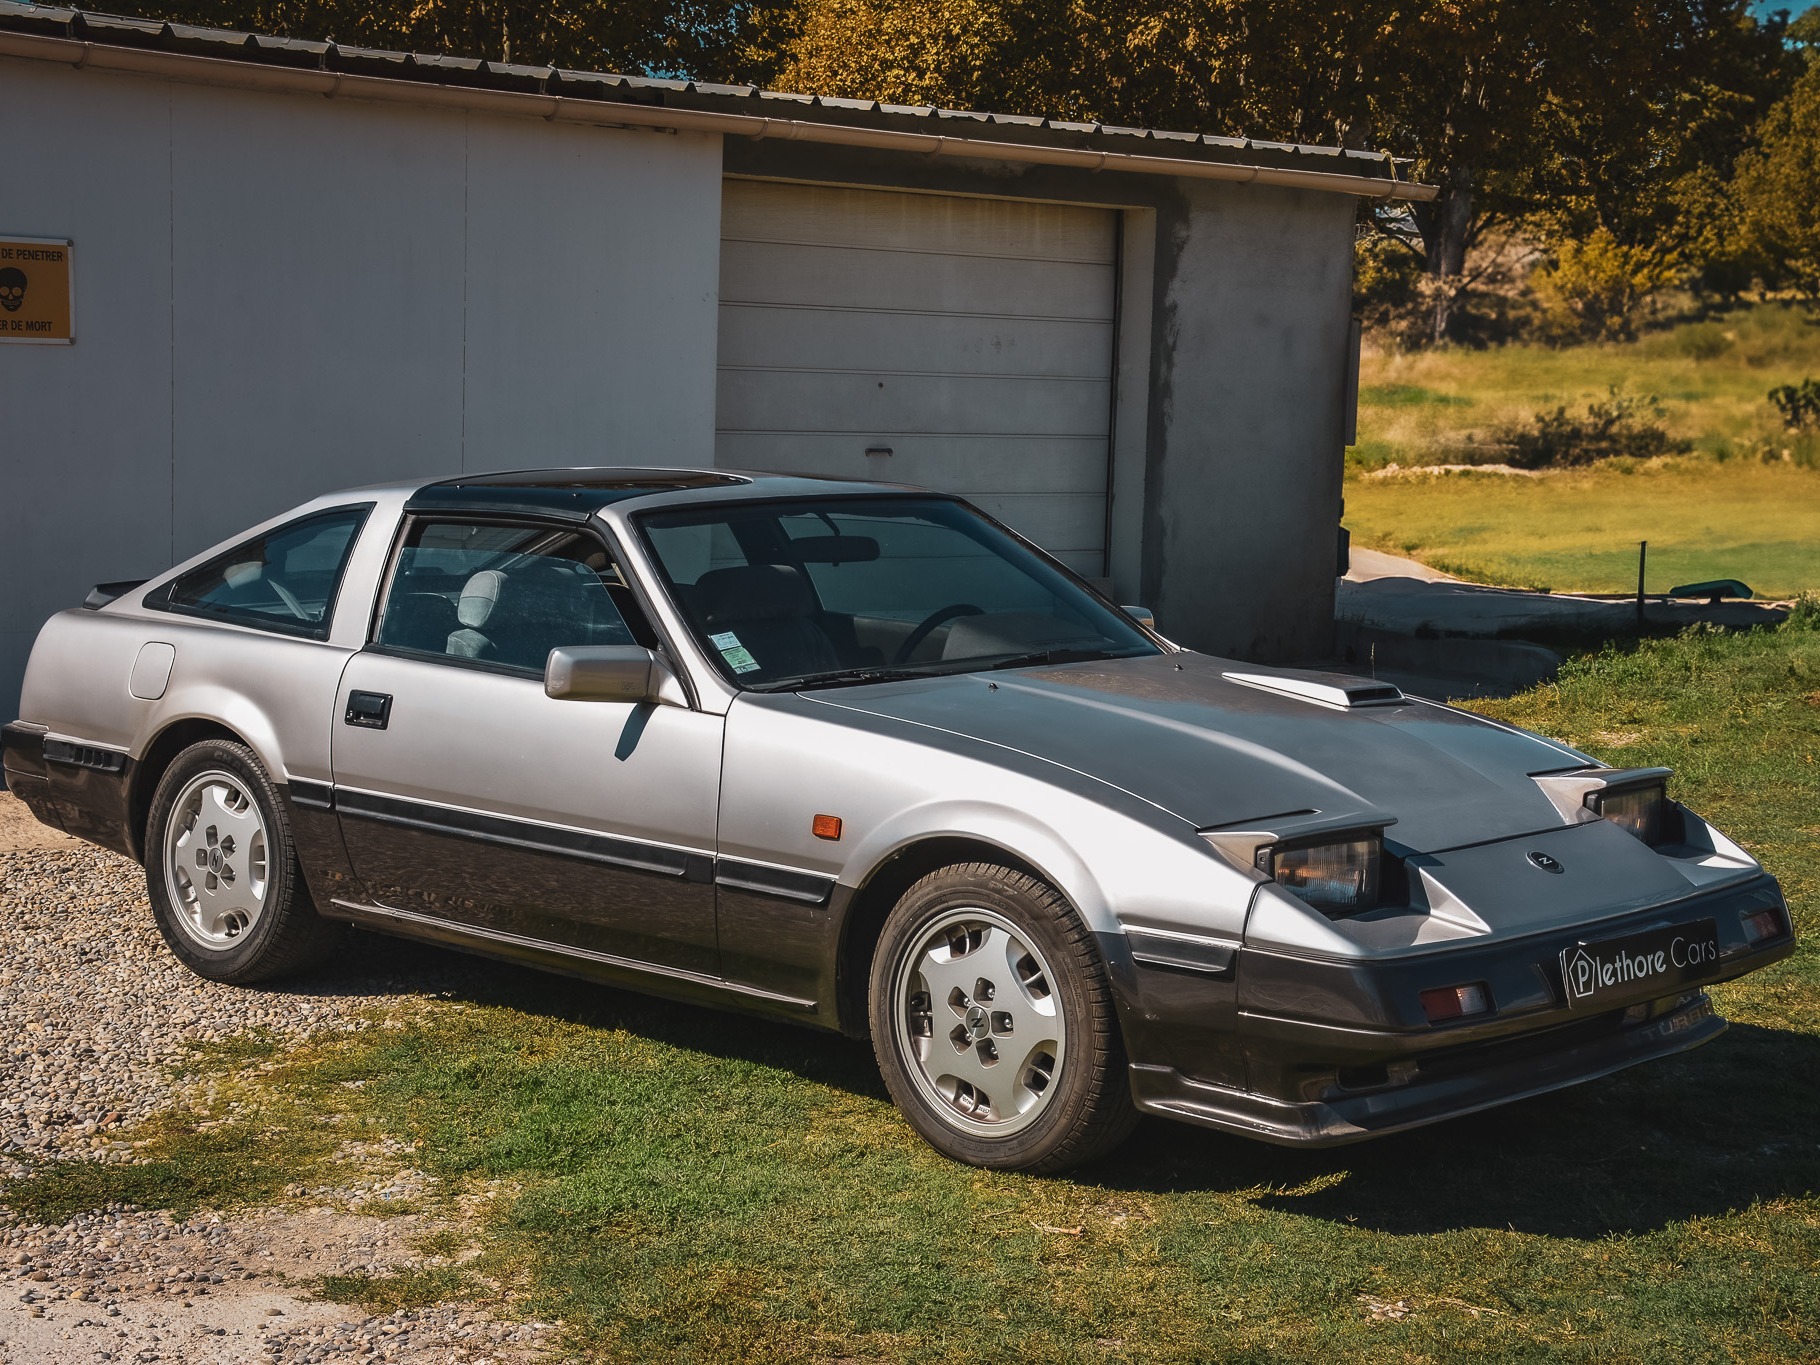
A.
pixel 1799 404
pixel 1621 424
pixel 1701 341
pixel 1387 288
pixel 1597 287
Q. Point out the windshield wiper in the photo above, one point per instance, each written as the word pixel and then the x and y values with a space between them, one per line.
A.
pixel 845 677
pixel 1051 656
pixel 852 677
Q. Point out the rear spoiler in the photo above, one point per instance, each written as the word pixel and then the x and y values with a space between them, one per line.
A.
pixel 103 593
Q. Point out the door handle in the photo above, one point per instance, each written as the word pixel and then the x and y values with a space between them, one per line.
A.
pixel 370 709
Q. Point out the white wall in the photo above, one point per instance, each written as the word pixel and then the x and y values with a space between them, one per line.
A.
pixel 281 295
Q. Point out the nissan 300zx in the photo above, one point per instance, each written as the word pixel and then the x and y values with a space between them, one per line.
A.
pixel 860 757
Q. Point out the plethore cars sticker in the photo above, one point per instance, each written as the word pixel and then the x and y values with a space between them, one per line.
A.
pixel 1663 956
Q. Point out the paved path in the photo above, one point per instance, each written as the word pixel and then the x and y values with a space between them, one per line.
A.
pixel 1386 592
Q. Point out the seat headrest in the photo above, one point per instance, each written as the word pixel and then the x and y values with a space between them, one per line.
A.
pixel 753 592
pixel 479 597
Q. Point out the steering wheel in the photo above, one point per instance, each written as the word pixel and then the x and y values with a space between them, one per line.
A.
pixel 289 599
pixel 935 618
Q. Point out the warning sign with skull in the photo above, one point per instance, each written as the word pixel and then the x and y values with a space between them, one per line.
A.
pixel 36 294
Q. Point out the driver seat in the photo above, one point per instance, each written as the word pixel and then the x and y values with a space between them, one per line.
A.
pixel 773 611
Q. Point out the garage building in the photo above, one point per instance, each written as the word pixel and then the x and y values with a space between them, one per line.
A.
pixel 297 266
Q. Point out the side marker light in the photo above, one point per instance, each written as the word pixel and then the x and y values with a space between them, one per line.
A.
pixel 825 827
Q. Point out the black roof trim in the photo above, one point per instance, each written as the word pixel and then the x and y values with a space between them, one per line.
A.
pixel 564 494
pixel 447 71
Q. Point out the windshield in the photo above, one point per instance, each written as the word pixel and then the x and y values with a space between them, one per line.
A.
pixel 823 592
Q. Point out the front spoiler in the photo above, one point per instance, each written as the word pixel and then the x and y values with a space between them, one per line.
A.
pixel 1498 1074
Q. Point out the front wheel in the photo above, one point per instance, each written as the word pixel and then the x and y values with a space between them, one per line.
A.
pixel 994 1025
pixel 222 874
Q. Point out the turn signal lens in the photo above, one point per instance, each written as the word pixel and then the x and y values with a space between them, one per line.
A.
pixel 1761 925
pixel 1455 1002
pixel 1641 811
pixel 1340 878
pixel 825 827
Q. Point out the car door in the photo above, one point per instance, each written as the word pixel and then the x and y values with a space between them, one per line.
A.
pixel 468 797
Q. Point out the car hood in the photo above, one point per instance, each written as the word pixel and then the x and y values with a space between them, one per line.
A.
pixel 1175 730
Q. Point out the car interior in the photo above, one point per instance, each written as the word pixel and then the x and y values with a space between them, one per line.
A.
pixel 506 595
pixel 826 590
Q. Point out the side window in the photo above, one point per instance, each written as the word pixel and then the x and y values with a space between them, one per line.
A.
pixel 505 595
pixel 285 580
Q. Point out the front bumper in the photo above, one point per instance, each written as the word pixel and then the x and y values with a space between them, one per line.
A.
pixel 1320 1052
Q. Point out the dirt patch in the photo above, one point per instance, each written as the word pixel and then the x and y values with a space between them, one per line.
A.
pixel 1400 471
pixel 132 1285
pixel 20 830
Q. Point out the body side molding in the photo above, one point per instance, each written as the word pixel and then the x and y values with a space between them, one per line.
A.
pixel 372 910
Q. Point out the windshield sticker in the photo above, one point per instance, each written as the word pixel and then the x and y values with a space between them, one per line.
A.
pixel 736 655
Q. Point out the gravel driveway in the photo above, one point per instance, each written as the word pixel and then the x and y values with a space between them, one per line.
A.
pixel 93 1012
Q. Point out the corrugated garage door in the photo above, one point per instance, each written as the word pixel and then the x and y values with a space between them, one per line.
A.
pixel 971 337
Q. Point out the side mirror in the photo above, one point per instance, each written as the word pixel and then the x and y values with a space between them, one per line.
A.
pixel 624 673
pixel 1142 615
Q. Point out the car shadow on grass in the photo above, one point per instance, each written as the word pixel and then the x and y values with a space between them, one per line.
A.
pixel 1704 1134
pixel 383 967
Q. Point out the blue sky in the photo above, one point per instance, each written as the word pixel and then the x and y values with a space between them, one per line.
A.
pixel 1792 6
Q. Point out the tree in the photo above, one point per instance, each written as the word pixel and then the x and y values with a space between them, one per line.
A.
pixel 1778 186
pixel 667 37
pixel 1504 104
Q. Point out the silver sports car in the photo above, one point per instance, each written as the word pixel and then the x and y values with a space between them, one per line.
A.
pixel 860 757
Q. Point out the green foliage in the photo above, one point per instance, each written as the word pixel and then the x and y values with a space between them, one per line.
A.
pixel 667 37
pixel 1778 187
pixel 1618 425
pixel 1804 30
pixel 191 1165
pixel 1387 286
pixel 1799 404
pixel 418 1287
pixel 1625 115
pixel 1596 288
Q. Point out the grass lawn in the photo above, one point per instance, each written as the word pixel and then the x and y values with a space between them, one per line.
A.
pixel 1576 530
pixel 679 1184
pixel 1713 378
pixel 1721 513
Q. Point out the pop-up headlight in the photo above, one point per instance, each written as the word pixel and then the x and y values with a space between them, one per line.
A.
pixel 1640 810
pixel 1339 877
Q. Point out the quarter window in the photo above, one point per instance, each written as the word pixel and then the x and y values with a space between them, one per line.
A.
pixel 505 596
pixel 285 580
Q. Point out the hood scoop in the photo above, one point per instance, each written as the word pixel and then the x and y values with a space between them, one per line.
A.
pixel 1324 689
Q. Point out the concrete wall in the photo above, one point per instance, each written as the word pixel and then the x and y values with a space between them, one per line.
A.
pixel 1250 368
pixel 279 295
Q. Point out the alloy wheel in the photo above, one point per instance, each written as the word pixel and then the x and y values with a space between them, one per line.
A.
pixel 216 860
pixel 979 1022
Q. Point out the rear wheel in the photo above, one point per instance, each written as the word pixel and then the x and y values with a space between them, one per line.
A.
pixel 994 1025
pixel 222 873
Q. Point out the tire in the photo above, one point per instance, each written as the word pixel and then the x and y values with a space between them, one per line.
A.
pixel 221 870
pixel 994 1025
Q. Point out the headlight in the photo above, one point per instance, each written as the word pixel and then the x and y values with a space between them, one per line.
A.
pixel 1642 811
pixel 1337 878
